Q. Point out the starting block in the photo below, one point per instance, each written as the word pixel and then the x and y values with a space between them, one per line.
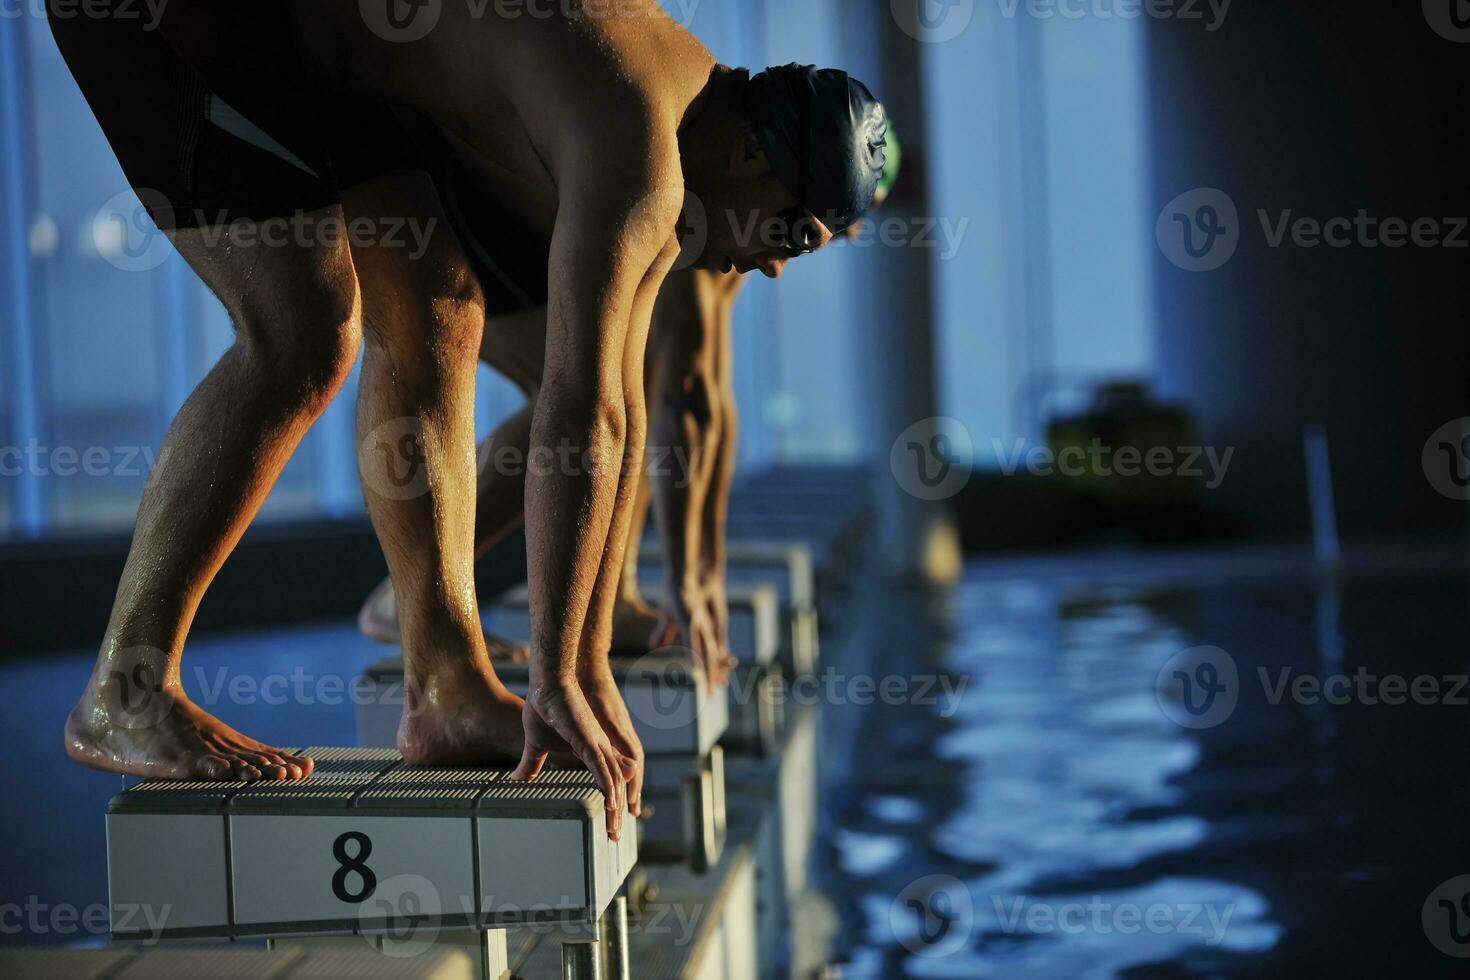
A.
pixel 790 568
pixel 755 638
pixel 674 711
pixel 755 619
pixel 365 846
pixel 678 719
pixel 233 964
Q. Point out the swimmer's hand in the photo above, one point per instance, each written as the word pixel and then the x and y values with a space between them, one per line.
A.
pixel 558 715
pixel 690 612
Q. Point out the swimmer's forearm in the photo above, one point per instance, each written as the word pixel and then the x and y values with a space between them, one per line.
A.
pixel 717 499
pixel 687 431
pixel 722 477
pixel 607 260
pixel 597 635
pixel 570 498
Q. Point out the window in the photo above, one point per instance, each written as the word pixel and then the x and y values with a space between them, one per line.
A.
pixel 1037 149
pixel 107 330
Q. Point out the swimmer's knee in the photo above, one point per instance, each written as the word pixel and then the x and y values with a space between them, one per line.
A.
pixel 306 341
pixel 430 299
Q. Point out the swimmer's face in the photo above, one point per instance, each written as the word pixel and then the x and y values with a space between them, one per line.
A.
pixel 753 221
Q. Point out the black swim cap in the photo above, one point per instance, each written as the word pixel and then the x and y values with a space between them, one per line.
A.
pixel 824 134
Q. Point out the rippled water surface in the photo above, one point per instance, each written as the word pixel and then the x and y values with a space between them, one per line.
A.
pixel 1078 812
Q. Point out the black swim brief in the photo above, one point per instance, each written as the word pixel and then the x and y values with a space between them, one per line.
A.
pixel 509 256
pixel 212 114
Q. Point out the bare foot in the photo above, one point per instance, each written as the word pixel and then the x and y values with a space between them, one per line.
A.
pixel 130 724
pixel 378 621
pixel 638 628
pixel 458 715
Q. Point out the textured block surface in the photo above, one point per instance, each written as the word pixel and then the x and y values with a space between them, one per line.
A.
pixel 363 845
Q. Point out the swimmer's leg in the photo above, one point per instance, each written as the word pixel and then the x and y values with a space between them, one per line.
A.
pixel 423 315
pixel 297 333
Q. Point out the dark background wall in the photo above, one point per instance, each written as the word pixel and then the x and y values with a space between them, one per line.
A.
pixel 1322 108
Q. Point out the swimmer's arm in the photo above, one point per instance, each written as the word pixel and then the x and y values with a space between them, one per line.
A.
pixel 685 427
pixel 717 501
pixel 607 246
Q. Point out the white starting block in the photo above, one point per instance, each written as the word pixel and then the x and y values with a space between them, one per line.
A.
pixel 755 683
pixel 755 638
pixel 225 963
pixel 755 619
pixel 678 719
pixel 673 710
pixel 367 846
pixel 790 568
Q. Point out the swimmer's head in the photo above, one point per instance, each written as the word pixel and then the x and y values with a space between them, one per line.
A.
pixel 805 157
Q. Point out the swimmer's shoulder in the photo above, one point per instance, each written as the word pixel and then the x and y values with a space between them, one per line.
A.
pixel 619 79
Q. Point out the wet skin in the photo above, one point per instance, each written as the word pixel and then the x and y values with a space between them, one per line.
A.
pixel 619 118
pixel 690 390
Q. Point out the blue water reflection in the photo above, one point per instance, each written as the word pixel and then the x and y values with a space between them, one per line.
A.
pixel 1060 823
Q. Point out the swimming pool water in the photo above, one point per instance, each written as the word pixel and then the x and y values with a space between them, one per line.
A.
pixel 1087 808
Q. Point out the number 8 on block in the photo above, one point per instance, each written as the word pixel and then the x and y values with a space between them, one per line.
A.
pixel 302 869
